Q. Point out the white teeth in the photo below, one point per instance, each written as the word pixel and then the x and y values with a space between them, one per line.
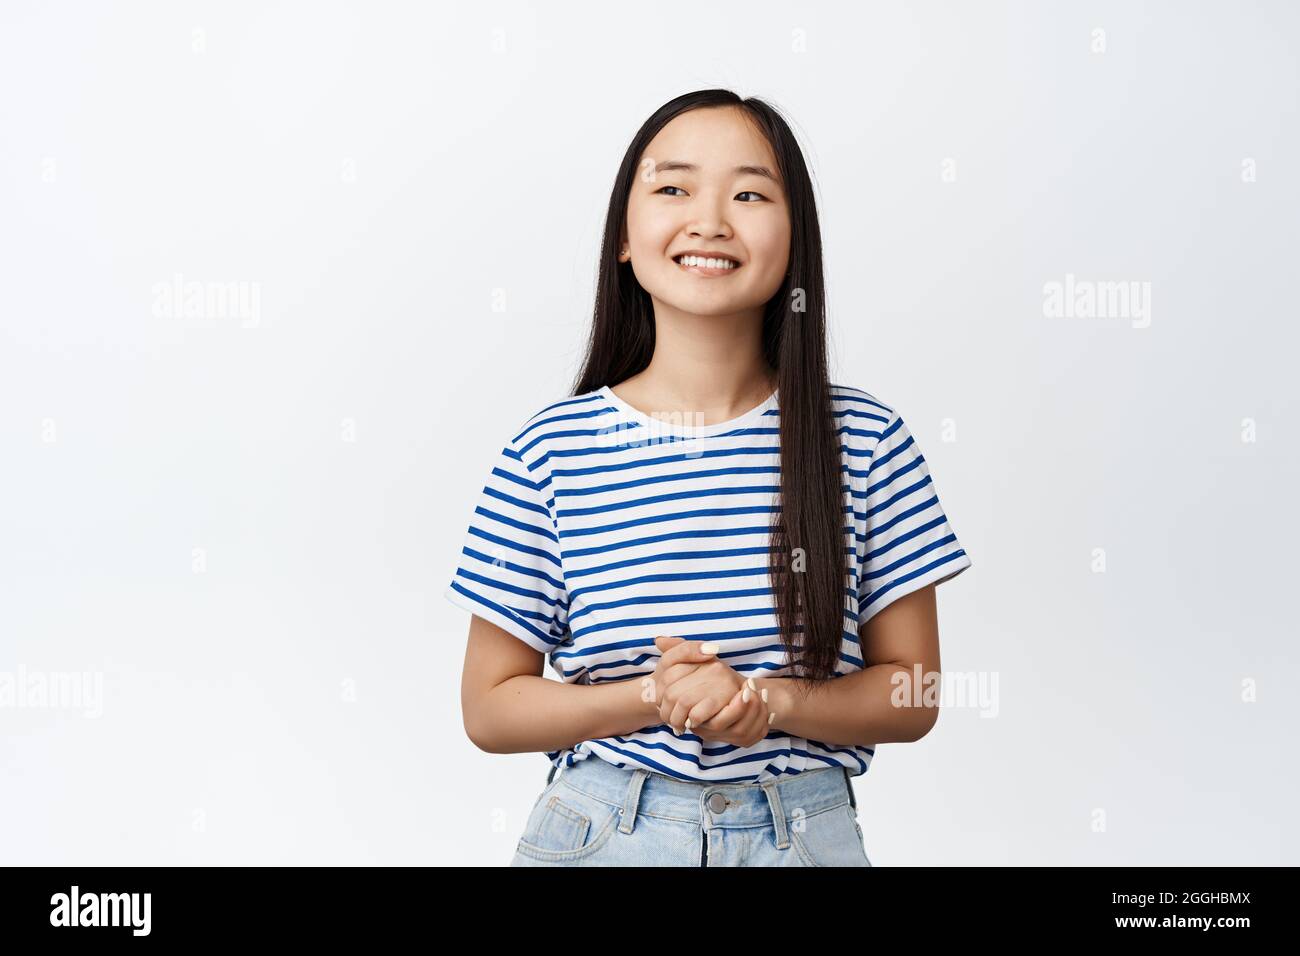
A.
pixel 706 263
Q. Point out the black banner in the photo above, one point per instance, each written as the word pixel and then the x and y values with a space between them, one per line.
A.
pixel 1171 905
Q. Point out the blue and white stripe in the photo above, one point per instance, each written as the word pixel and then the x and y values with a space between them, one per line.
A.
pixel 599 528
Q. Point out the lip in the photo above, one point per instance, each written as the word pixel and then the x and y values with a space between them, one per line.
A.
pixel 701 270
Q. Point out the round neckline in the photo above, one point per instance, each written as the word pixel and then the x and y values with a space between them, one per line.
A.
pixel 667 425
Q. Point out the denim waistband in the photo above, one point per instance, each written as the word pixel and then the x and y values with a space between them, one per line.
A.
pixel 638 791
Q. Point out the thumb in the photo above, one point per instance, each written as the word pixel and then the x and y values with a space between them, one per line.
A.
pixel 678 650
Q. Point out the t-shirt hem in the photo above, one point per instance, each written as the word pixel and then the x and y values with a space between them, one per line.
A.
pixel 935 576
pixel 507 624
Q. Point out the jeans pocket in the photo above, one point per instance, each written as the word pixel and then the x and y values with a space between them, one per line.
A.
pixel 830 838
pixel 567 824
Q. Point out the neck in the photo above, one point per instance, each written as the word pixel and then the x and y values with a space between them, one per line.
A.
pixel 712 363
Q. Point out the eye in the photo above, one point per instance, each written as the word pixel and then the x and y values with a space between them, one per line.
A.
pixel 750 192
pixel 678 188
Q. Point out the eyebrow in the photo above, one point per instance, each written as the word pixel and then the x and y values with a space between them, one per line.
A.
pixel 677 165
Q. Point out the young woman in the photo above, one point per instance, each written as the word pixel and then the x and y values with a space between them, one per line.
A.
pixel 736 591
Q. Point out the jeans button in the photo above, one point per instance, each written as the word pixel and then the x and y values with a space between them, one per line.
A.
pixel 717 802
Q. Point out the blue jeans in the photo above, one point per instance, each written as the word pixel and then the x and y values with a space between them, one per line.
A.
pixel 596 814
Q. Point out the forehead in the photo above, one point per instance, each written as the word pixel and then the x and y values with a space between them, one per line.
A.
pixel 716 139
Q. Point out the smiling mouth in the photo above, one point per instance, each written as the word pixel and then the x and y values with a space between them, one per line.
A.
pixel 707 266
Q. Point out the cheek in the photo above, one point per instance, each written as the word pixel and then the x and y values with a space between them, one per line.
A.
pixel 649 231
pixel 771 250
pixel 771 273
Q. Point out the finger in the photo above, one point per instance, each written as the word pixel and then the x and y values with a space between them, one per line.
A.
pixel 673 711
pixel 745 730
pixel 676 672
pixel 693 651
pixel 763 718
pixel 704 709
pixel 759 697
pixel 688 694
pixel 680 700
pixel 728 715
pixel 677 718
pixel 664 643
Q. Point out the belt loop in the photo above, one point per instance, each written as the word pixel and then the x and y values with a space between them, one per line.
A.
pixel 778 815
pixel 632 799
pixel 848 782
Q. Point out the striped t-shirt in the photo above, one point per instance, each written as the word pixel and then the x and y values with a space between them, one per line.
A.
pixel 601 527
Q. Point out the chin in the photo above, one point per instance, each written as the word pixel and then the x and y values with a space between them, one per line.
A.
pixel 710 306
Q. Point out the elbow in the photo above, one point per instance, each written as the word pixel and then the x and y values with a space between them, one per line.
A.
pixel 479 733
pixel 925 722
pixel 485 744
pixel 482 743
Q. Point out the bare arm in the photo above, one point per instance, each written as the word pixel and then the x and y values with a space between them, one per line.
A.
pixel 509 707
pixel 859 708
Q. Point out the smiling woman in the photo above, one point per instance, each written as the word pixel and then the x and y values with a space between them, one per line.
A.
pixel 692 199
pixel 725 557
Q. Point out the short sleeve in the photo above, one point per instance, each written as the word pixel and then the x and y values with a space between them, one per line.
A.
pixel 909 542
pixel 510 570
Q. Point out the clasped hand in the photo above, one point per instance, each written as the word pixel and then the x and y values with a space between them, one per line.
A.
pixel 698 693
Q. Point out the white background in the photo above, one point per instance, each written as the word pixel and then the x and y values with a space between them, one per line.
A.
pixel 383 173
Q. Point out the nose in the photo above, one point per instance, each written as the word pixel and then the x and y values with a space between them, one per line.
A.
pixel 709 221
pixel 716 229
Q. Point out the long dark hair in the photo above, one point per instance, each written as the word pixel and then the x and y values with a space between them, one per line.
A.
pixel 808 549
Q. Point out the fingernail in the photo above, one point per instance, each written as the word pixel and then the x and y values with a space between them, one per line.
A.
pixel 771 717
pixel 688 723
pixel 752 685
pixel 765 695
pixel 744 694
pixel 708 648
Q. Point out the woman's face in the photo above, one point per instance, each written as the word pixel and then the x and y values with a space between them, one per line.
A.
pixel 708 183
